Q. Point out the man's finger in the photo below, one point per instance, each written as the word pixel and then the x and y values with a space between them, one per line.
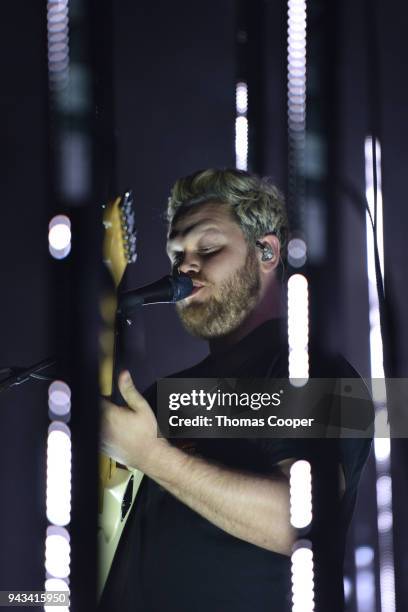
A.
pixel 129 392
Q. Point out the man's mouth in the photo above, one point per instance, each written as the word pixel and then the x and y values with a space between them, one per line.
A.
pixel 196 288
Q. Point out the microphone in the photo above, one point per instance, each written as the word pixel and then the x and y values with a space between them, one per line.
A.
pixel 167 289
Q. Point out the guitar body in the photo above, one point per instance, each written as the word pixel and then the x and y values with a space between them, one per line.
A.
pixel 119 493
pixel 118 485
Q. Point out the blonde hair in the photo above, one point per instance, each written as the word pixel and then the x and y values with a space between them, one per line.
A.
pixel 257 205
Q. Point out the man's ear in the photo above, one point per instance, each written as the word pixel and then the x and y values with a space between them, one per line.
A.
pixel 268 248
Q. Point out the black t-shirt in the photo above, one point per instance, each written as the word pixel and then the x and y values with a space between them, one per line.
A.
pixel 170 559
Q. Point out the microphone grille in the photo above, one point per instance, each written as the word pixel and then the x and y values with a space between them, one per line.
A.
pixel 182 287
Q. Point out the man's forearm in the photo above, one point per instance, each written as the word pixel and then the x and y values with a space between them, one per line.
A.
pixel 250 507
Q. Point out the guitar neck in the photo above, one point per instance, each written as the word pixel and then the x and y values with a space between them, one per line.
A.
pixel 119 250
pixel 118 359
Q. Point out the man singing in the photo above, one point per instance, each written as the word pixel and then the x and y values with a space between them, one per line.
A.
pixel 210 529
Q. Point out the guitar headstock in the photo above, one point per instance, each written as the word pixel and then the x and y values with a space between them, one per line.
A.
pixel 119 247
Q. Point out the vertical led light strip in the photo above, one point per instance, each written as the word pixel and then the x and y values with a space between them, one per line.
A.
pixel 58 44
pixel 241 126
pixel 301 515
pixel 298 308
pixel 59 236
pixel 59 459
pixel 298 298
pixel 58 502
pixel 296 109
pixel 382 442
pixel 297 70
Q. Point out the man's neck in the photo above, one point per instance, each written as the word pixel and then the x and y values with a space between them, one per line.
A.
pixel 269 307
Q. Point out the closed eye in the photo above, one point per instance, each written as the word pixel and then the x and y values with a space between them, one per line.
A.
pixel 177 258
pixel 209 251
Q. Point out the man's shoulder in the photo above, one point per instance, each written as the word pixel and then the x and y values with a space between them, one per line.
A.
pixel 329 363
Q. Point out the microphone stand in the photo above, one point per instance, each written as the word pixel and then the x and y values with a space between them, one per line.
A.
pixel 168 289
pixel 18 375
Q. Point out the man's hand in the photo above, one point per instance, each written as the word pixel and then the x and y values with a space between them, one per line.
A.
pixel 129 434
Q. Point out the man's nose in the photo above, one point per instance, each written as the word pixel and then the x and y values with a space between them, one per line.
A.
pixel 190 264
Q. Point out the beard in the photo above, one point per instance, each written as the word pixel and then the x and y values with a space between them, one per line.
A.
pixel 228 307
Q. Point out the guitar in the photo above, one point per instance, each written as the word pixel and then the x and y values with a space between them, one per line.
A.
pixel 118 485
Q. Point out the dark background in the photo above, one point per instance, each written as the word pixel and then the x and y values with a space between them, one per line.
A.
pixel 162 104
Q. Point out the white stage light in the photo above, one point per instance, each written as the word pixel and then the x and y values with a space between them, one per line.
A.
pixel 384 491
pixel 59 459
pixel 298 329
pixel 59 398
pixel 58 44
pixel 303 578
pixel 365 582
pixel 365 590
pixel 242 98
pixel 382 450
pixel 59 392
pixel 300 494
pixel 241 126
pixel 56 584
pixel 364 556
pixel 297 252
pixel 384 521
pixel 57 552
pixel 59 236
pixel 241 143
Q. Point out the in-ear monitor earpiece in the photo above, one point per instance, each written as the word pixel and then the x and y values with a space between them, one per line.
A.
pixel 267 252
